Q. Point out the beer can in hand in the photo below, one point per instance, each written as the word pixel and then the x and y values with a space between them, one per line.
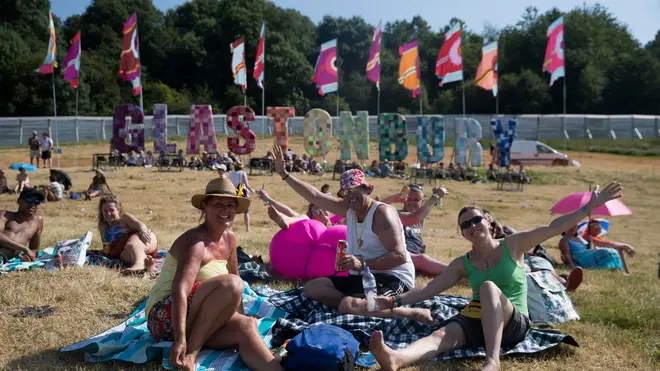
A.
pixel 342 247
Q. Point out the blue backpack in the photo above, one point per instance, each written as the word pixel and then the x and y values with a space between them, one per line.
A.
pixel 322 348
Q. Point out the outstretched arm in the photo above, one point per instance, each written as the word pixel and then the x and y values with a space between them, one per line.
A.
pixel 422 212
pixel 454 273
pixel 307 191
pixel 275 204
pixel 523 241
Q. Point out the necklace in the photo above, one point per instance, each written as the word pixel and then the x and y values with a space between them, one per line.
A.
pixel 360 242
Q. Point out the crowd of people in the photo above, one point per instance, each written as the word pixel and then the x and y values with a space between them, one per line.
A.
pixel 196 300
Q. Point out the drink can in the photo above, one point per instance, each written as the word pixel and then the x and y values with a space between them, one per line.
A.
pixel 342 247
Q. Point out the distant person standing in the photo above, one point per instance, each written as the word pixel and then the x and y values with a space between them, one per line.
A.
pixel 239 179
pixel 46 149
pixel 35 145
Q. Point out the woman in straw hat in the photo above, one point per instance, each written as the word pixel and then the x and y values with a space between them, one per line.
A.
pixel 196 302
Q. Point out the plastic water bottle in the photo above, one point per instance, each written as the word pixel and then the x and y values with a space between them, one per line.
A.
pixel 369 284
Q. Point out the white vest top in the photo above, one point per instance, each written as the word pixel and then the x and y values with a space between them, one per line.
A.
pixel 373 248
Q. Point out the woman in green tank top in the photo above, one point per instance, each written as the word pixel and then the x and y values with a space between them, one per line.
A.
pixel 497 314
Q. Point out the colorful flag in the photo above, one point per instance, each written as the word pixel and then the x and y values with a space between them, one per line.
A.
pixel 373 65
pixel 259 65
pixel 49 62
pixel 409 68
pixel 554 52
pixel 325 71
pixel 449 65
pixel 129 62
pixel 72 62
pixel 487 71
pixel 237 49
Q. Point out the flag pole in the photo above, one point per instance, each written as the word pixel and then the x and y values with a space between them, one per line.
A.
pixel 75 143
pixel 463 97
pixel 57 126
pixel 263 111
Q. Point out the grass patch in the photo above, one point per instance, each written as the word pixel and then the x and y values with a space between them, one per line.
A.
pixel 620 326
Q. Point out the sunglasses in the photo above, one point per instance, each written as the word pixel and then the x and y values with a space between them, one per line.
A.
pixel 32 201
pixel 469 223
pixel 318 212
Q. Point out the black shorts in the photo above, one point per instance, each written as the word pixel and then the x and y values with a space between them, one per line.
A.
pixel 386 285
pixel 513 333
pixel 45 155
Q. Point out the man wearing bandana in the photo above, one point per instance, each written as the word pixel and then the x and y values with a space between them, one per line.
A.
pixel 375 239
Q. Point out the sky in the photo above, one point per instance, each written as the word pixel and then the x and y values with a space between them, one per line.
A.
pixel 641 16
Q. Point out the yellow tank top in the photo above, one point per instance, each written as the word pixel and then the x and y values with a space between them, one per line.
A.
pixel 163 286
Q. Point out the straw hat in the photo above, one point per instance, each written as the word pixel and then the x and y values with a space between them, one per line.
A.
pixel 221 187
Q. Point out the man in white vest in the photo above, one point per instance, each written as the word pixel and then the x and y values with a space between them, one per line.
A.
pixel 375 239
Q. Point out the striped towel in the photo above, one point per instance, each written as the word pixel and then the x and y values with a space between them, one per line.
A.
pixel 15 264
pixel 130 341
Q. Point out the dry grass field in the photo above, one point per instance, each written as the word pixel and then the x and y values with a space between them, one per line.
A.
pixel 619 330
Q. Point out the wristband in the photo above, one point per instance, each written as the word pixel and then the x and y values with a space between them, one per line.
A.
pixel 398 300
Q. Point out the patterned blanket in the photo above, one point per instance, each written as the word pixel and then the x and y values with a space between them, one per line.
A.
pixel 130 341
pixel 94 257
pixel 399 332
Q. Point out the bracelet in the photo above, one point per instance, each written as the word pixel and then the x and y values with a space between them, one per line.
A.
pixel 286 176
pixel 398 300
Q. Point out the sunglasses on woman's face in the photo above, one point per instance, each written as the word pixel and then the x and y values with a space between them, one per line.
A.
pixel 469 223
pixel 32 201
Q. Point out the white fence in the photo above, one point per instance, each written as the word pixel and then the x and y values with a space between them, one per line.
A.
pixel 15 131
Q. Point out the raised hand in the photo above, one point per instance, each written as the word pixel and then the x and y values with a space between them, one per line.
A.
pixel 440 191
pixel 611 192
pixel 263 196
pixel 279 160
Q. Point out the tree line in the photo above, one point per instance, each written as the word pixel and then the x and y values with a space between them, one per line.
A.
pixel 186 60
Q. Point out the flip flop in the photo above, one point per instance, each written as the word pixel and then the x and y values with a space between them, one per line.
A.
pixel 37 312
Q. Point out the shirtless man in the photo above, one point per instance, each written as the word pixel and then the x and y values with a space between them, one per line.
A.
pixel 375 239
pixel 20 231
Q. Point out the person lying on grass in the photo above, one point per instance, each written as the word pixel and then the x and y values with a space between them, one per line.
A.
pixel 592 234
pixel 20 231
pixel 497 314
pixel 196 301
pixel 375 239
pixel 415 210
pixel 125 237
pixel 575 253
pixel 284 216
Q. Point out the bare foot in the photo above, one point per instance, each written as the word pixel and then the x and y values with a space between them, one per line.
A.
pixel 149 264
pixel 416 314
pixel 277 217
pixel 385 356
pixel 491 365
pixel 190 362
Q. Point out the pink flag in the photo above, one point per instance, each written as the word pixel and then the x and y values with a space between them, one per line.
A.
pixel 554 52
pixel 449 65
pixel 259 64
pixel 72 61
pixel 373 65
pixel 129 61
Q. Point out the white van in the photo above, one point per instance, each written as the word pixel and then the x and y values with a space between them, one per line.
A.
pixel 532 152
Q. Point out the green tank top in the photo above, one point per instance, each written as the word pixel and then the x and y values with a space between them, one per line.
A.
pixel 507 275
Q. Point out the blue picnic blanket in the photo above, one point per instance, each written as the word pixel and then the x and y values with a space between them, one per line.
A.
pixel 130 341
pixel 398 333
pixel 94 257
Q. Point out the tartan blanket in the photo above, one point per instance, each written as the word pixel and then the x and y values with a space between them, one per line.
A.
pixel 130 341
pixel 399 332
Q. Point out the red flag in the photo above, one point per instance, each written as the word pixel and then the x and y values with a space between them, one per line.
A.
pixel 449 65
pixel 259 65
